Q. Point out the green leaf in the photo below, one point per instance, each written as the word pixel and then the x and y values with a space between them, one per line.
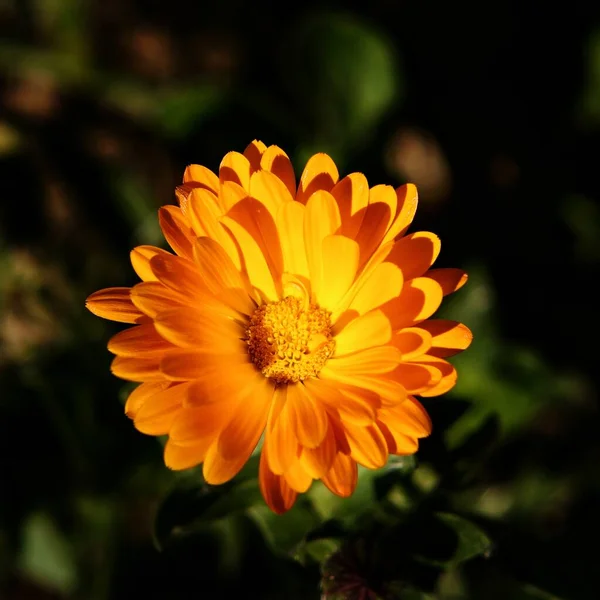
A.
pixel 471 540
pixel 46 556
pixel 347 76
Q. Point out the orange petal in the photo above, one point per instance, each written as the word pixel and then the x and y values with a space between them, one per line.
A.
pixel 339 263
pixel 280 438
pixel 448 376
pixel 415 253
pixel 397 442
pixel 352 403
pixel 412 342
pixel 179 458
pixel 407 200
pixel 419 299
pixel 417 377
pixel 140 260
pixel 449 279
pixel 153 297
pixel 253 153
pixel 278 495
pixel 187 327
pixel 409 418
pixel 320 173
pixel 254 263
pixel 220 276
pixel 179 274
pixel 114 304
pixel 366 331
pixel 307 416
pixel 448 337
pixel 176 230
pixel 342 477
pixel 235 167
pixel 290 225
pixel 156 416
pixel 367 445
pixel 277 162
pixel 238 440
pixel 141 340
pixel 205 214
pixel 202 175
pixel 136 369
pixel 352 196
pixel 201 424
pixel 317 461
pixel 297 477
pixel 260 224
pixel 141 394
pixel 381 359
pixel 378 216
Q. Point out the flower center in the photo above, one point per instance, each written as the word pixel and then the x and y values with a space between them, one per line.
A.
pixel 289 342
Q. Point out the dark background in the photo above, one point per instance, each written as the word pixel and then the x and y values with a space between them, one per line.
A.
pixel 492 109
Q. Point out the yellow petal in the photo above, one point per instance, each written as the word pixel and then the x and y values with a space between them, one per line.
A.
pixel 415 253
pixel 202 175
pixel 140 260
pixel 141 340
pixel 409 418
pixel 419 299
pixel 253 153
pixel 407 200
pixel 269 190
pixel 443 384
pixel 338 268
pixel 178 274
pixel 448 337
pixel 417 378
pixel 352 196
pixel 275 160
pixel 114 304
pixel 412 342
pixel 366 331
pixel 290 225
pixel 397 442
pixel 320 173
pixel 235 167
pixel 231 194
pixel 321 218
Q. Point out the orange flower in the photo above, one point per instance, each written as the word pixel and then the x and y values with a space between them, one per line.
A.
pixel 297 313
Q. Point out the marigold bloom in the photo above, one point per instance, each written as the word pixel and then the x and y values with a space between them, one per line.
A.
pixel 297 312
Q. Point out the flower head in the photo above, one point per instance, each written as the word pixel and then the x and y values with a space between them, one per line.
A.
pixel 301 313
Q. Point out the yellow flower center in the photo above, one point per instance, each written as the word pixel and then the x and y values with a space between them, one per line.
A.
pixel 288 341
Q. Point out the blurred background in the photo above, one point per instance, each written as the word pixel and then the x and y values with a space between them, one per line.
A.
pixel 492 109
